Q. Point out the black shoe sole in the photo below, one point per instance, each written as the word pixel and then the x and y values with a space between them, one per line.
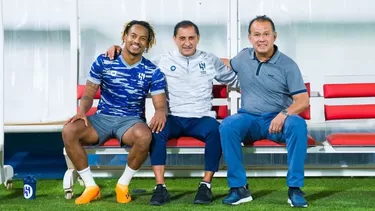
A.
pixel 155 203
pixel 202 202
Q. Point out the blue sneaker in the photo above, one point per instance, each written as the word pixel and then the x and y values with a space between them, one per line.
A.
pixel 238 196
pixel 295 198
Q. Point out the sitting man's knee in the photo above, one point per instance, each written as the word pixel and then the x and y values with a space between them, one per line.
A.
pixel 294 122
pixel 226 124
pixel 69 132
pixel 142 138
pixel 213 127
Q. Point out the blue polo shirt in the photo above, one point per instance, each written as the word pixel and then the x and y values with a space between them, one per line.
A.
pixel 267 86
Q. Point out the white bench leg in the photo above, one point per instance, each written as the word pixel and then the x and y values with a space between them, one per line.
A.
pixel 69 177
pixel 68 183
pixel 6 171
pixel 6 175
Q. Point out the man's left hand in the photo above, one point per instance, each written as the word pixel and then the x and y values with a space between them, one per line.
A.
pixel 277 123
pixel 157 122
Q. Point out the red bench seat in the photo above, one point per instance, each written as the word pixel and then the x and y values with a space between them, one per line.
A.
pixel 351 139
pixel 194 143
pixel 269 143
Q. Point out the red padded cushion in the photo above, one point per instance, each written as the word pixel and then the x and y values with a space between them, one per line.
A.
pixel 180 142
pixel 220 91
pixel 349 90
pixel 365 111
pixel 306 113
pixel 308 88
pixel 221 111
pixel 185 142
pixel 112 143
pixel 192 142
pixel 269 143
pixel 351 139
pixel 81 89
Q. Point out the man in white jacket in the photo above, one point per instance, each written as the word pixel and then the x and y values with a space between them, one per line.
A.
pixel 190 74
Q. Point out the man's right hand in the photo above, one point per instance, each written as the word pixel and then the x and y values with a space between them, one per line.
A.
pixel 113 51
pixel 77 117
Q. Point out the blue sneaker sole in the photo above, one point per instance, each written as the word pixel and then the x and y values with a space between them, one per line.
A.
pixel 298 205
pixel 244 200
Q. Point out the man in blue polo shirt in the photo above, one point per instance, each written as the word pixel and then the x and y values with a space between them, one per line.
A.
pixel 273 94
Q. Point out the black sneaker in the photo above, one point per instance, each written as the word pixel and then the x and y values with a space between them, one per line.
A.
pixel 160 195
pixel 204 195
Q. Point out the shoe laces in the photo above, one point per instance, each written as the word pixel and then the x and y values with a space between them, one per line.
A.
pixel 298 192
pixel 202 188
pixel 237 190
pixel 233 191
pixel 158 189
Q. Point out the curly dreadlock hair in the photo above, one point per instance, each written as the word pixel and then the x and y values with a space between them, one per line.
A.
pixel 151 32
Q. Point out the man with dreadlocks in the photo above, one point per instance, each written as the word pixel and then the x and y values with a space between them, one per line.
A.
pixel 124 84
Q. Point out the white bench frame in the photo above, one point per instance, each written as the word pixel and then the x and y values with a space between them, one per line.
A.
pixel 6 171
pixel 102 171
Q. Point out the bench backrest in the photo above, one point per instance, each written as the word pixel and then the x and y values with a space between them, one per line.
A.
pixel 307 113
pixel 349 111
pixel 219 93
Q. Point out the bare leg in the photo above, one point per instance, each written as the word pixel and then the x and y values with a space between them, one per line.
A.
pixel 139 137
pixel 208 175
pixel 159 173
pixel 75 133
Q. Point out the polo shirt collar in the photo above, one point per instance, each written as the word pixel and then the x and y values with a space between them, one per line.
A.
pixel 274 58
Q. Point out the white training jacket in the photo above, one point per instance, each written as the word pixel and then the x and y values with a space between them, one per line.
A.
pixel 190 81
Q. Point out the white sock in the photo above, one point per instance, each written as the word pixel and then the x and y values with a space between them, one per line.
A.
pixel 206 183
pixel 160 184
pixel 127 176
pixel 87 177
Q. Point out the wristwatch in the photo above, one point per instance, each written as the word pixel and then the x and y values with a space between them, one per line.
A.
pixel 285 112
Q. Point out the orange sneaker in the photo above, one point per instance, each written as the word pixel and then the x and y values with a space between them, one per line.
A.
pixel 122 194
pixel 90 194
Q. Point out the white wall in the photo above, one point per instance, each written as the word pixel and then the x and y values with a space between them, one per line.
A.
pixel 37 61
pixel 100 30
pixel 325 38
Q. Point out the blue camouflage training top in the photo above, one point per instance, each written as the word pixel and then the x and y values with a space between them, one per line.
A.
pixel 124 87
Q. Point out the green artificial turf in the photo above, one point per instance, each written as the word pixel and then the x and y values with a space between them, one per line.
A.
pixel 268 193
